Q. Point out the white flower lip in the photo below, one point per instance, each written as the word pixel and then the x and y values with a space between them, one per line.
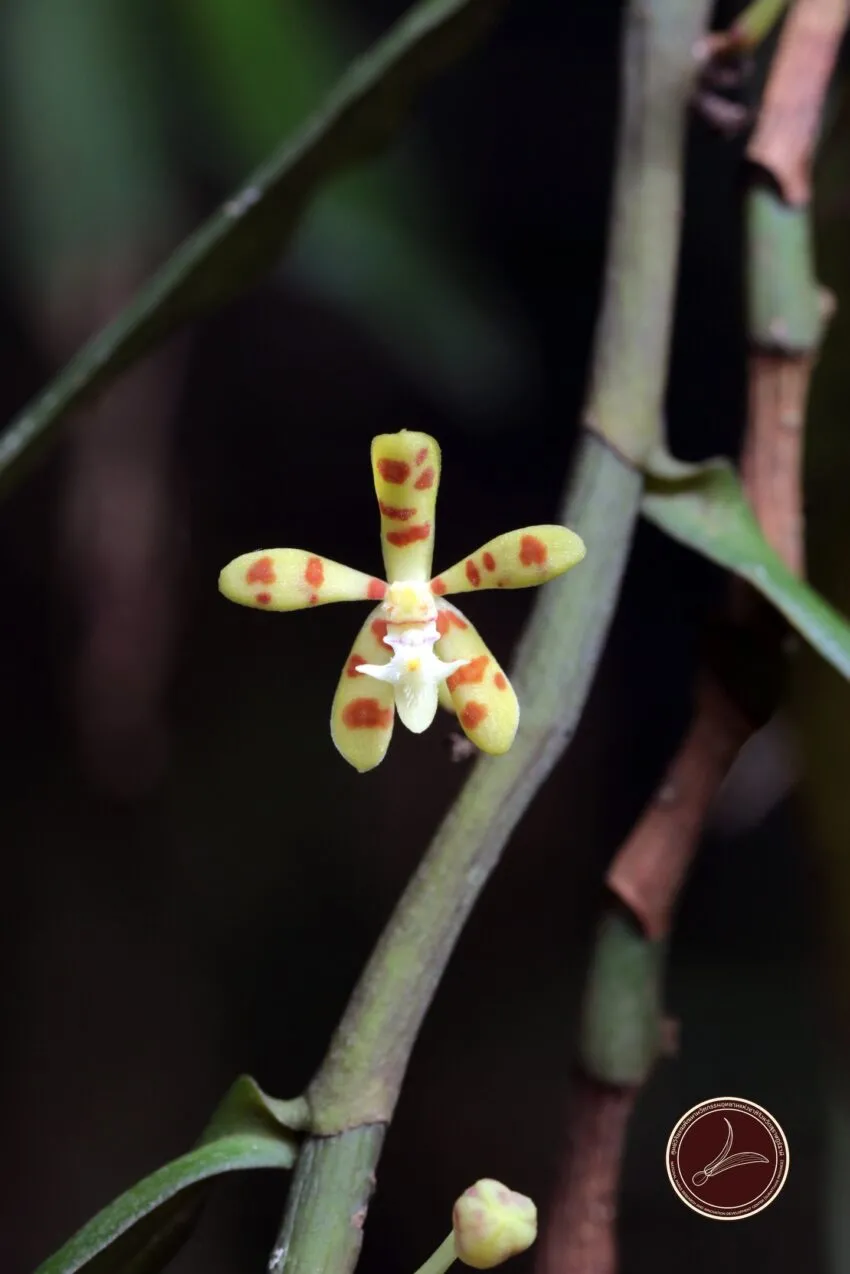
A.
pixel 415 671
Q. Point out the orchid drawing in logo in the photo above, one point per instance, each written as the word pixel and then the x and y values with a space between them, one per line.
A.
pixel 724 1161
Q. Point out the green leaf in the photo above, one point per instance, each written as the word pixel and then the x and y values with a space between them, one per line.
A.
pixel 140 1231
pixel 86 173
pixel 246 236
pixel 704 507
pixel 377 244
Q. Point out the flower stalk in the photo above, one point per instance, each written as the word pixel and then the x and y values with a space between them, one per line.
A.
pixel 354 1094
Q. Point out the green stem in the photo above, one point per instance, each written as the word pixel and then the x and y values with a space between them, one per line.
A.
pixel 785 309
pixel 354 1094
pixel 441 1260
pixel 629 381
pixel 318 1236
pixel 620 1038
pixel 756 22
pixel 358 1084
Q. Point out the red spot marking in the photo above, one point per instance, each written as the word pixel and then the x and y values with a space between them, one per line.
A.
pixel 366 714
pixel 313 598
pixel 314 572
pixel 490 561
pixel 472 715
pixel 532 552
pixel 421 454
pixel 472 573
pixel 396 471
pixel 471 674
pixel 264 598
pixel 425 479
pixel 409 536
pixel 398 515
pixel 437 586
pixel 379 628
pixel 501 681
pixel 261 572
pixel 354 662
pixel 376 590
pixel 445 619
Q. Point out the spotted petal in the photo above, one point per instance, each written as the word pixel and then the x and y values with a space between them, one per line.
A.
pixel 406 469
pixel 482 696
pixel 362 712
pixel 291 579
pixel 516 559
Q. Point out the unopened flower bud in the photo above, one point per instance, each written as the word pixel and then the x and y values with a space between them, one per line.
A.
pixel 492 1223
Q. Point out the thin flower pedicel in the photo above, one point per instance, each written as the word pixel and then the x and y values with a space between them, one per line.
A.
pixel 415 649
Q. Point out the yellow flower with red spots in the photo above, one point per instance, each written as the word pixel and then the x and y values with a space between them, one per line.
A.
pixel 415 649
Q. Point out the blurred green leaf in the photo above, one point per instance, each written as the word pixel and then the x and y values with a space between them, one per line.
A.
pixel 259 66
pixel 140 1231
pixel 376 244
pixel 246 236
pixel 85 164
pixel 704 507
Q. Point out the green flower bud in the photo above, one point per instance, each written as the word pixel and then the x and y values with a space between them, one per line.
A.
pixel 492 1223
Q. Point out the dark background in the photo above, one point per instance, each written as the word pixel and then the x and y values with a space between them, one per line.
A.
pixel 189 893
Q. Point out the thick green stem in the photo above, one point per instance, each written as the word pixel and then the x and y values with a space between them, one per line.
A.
pixel 355 1092
pixel 358 1084
pixel 785 308
pixel 333 1181
pixel 626 401
pixel 620 1036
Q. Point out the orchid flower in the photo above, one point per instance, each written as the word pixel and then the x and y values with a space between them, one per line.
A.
pixel 415 649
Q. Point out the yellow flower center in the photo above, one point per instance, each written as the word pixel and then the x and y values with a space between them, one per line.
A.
pixel 410 602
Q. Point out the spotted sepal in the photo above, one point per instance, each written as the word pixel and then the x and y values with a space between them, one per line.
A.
pixel 292 579
pixel 406 470
pixel 482 696
pixel 517 559
pixel 363 708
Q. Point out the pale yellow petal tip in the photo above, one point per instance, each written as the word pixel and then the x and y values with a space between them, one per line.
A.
pixel 575 549
pixel 556 548
pixel 245 580
pixel 492 1223
pixel 361 730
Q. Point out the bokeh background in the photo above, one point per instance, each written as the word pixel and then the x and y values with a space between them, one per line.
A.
pixel 192 876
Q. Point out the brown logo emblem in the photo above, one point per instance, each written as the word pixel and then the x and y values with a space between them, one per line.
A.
pixel 727 1158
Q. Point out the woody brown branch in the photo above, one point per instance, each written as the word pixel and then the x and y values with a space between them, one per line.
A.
pixel 785 136
pixel 580 1234
pixel 648 871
